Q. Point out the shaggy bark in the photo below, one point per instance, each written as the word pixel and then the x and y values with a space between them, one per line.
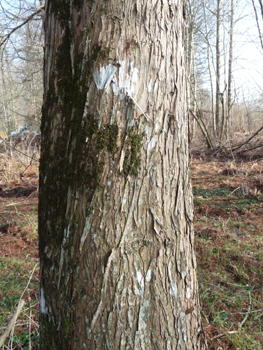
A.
pixel 116 211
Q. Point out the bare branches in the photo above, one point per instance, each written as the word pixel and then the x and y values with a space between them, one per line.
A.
pixel 21 50
pixel 29 18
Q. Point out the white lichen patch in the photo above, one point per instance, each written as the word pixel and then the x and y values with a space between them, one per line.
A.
pixel 123 84
pixel 147 130
pixel 103 76
pixel 86 229
pixel 173 286
pixel 122 160
pixel 149 86
pixel 42 303
pixel 123 204
pixel 152 143
pixel 148 276
pixel 173 289
pixel 187 294
pixel 128 77
pixel 140 280
pixel 139 277
pixel 66 234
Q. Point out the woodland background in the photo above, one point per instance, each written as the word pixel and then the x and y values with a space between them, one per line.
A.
pixel 224 52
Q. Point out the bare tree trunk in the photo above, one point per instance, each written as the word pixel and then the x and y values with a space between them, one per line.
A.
pixel 116 210
pixel 194 92
pixel 191 69
pixel 209 67
pixel 218 22
pixel 230 75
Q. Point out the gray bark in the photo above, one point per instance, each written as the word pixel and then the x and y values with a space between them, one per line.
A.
pixel 116 210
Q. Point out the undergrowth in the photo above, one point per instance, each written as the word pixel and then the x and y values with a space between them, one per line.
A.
pixel 18 250
pixel 229 244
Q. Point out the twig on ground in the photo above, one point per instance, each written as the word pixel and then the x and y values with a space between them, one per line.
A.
pixel 16 204
pixel 18 310
pixel 248 311
pixel 32 273
pixel 203 313
pixel 223 334
pixel 12 322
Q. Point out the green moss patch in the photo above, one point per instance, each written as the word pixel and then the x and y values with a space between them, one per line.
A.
pixel 132 158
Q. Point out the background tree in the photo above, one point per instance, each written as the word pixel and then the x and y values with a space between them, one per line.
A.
pixel 218 67
pixel 215 45
pixel 115 214
pixel 21 64
pixel 230 70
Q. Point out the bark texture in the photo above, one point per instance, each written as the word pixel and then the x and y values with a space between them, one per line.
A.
pixel 115 215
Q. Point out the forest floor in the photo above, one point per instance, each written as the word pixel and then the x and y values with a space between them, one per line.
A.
pixel 19 265
pixel 228 197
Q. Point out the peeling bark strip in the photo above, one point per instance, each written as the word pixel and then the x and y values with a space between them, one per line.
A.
pixel 115 215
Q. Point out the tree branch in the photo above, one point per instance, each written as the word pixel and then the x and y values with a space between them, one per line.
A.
pixel 22 24
pixel 244 143
pixel 261 7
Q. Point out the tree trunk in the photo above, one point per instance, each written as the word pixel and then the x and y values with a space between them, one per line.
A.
pixel 218 75
pixel 116 211
pixel 191 67
pixel 230 73
pixel 208 50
